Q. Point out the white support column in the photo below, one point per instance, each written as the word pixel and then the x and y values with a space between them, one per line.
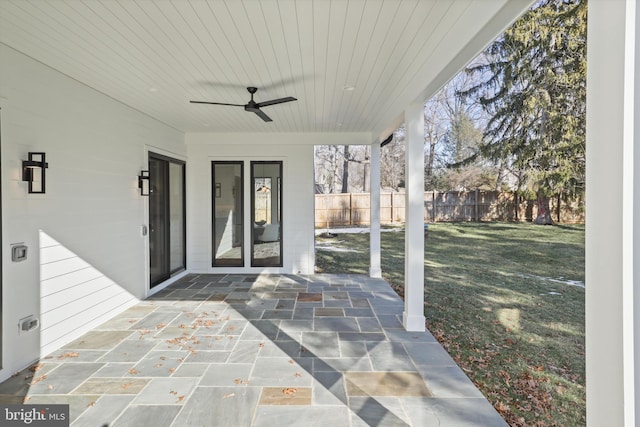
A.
pixel 413 316
pixel 375 269
pixel 613 214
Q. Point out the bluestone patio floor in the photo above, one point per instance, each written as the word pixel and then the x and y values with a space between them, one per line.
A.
pixel 257 350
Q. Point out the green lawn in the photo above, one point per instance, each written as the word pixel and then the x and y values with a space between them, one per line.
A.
pixel 506 300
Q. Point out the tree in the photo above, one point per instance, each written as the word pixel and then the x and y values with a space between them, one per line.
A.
pixel 534 89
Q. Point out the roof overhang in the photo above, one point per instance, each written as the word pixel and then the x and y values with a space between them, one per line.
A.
pixel 353 66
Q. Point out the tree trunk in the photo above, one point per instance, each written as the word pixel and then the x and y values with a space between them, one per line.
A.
pixel 366 173
pixel 345 170
pixel 430 160
pixel 544 213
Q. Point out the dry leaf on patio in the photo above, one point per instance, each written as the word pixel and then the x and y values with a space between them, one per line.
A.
pixel 261 345
pixel 50 387
pixel 160 325
pixel 90 404
pixel 133 371
pixel 68 355
pixel 228 395
pixel 289 390
pixel 180 398
pixel 35 368
pixel 158 365
pixel 175 393
pixel 40 378
pixel 297 375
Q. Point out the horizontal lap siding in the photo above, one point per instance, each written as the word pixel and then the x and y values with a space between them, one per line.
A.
pixel 86 258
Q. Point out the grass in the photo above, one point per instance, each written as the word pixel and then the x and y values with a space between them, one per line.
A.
pixel 499 297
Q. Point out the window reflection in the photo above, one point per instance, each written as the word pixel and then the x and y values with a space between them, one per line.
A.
pixel 266 202
pixel 228 247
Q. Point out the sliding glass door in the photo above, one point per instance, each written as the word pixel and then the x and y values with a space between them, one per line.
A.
pixel 167 229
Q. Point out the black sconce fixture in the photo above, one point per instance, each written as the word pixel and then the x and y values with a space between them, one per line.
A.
pixel 143 183
pixel 33 172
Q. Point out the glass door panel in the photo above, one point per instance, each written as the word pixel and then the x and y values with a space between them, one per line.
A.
pixel 167 231
pixel 228 214
pixel 177 225
pixel 266 208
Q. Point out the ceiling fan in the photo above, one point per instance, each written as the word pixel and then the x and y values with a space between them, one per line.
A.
pixel 253 106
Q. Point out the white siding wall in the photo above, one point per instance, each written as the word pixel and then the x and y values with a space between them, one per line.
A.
pixel 86 257
pixel 298 198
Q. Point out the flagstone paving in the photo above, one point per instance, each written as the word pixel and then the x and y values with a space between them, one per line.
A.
pixel 257 350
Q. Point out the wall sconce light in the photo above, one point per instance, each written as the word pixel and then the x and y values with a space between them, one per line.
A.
pixel 143 183
pixel 33 172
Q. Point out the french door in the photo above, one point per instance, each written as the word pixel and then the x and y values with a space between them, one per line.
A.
pixel 231 235
pixel 167 227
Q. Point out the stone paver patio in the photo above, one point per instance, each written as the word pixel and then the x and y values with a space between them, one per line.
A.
pixel 247 350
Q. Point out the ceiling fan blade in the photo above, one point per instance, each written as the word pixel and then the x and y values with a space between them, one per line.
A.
pixel 260 113
pixel 276 101
pixel 216 103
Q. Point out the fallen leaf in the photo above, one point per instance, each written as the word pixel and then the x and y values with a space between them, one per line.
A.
pixel 261 345
pixel 158 365
pixel 228 395
pixel 69 355
pixel 297 375
pixel 290 390
pixel 180 398
pixel 37 380
pixel 90 404
pixel 172 370
pixel 50 387
pixel 35 368
pixel 133 371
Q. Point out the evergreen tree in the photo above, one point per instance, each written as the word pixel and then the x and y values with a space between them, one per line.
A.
pixel 533 86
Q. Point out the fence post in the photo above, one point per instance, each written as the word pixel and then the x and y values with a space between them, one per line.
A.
pixel 434 205
pixel 350 209
pixel 477 213
pixel 391 207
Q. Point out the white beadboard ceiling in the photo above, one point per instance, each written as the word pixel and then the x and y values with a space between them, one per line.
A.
pixel 156 55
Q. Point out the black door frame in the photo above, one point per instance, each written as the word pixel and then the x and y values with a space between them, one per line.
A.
pixel 167 220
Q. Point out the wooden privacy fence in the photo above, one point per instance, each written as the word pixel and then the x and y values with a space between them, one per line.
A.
pixel 333 210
